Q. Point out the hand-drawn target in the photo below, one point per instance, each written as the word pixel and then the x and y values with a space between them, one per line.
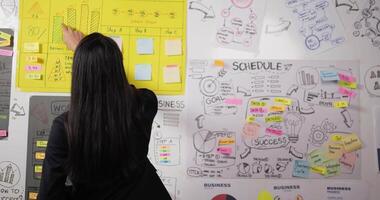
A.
pixel 204 141
pixel 209 86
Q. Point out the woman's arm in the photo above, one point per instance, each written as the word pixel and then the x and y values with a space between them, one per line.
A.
pixel 53 180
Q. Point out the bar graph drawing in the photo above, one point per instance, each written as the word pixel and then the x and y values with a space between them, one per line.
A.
pixel 84 18
pixel 71 17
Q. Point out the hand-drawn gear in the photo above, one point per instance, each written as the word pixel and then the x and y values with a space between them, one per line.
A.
pixel 209 86
pixel 317 136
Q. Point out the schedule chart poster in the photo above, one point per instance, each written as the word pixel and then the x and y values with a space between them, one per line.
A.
pixel 151 35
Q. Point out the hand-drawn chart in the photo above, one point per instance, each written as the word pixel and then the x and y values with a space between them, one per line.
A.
pixel 272 119
pixel 368 24
pixel 318 24
pixel 241 25
pixel 151 35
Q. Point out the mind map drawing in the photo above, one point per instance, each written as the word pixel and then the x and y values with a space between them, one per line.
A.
pixel 318 24
pixel 247 120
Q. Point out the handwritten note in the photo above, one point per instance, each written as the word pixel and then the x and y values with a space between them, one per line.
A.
pixel 259 110
pixel 275 118
pixel 145 46
pixel 301 168
pixel 233 101
pixel 219 63
pixel 225 150
pixel 285 101
pixel 143 72
pixel 31 47
pixel 348 85
pixel 340 104
pixel 274 131
pixel 3 133
pixel 332 168
pixel 334 150
pixel 316 157
pixel 346 78
pixel 7 53
pixel 226 141
pixel 173 47
pixel 172 74
pixel 277 108
pixel 329 76
pixel 349 159
pixel 351 143
pixel 258 103
pixel 347 92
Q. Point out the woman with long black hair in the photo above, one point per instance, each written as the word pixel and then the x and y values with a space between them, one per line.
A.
pixel 101 143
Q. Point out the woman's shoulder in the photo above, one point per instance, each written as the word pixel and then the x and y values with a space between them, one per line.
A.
pixel 146 96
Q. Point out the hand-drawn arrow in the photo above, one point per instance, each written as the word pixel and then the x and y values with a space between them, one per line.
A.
pixel 207 11
pixel 347 118
pixel 18 110
pixel 351 4
pixel 283 25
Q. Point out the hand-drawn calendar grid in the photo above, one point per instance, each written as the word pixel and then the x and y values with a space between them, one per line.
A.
pixel 150 33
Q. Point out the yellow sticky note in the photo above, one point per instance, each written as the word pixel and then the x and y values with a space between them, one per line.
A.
pixel 172 74
pixel 37 168
pixel 32 47
pixel 334 150
pixel 285 101
pixel 274 118
pixel 277 108
pixel 219 63
pixel 41 143
pixel 336 137
pixel 352 85
pixel 32 59
pixel 173 47
pixel 352 143
pixel 258 104
pixel 264 195
pixel 32 195
pixel 5 43
pixel 226 141
pixel 250 119
pixel 340 104
pixel 32 76
pixel 318 170
pixel 5 36
pixel 39 155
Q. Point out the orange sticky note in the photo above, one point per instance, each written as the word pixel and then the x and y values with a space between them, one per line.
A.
pixel 219 63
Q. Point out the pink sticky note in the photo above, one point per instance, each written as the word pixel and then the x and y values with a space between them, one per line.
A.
pixel 273 131
pixel 347 92
pixel 4 52
pixel 259 110
pixel 33 68
pixel 349 159
pixel 3 133
pixel 347 78
pixel 225 150
pixel 233 101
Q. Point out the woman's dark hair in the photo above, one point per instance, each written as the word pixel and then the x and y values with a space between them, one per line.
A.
pixel 102 111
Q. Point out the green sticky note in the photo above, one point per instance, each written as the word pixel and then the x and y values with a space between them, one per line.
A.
pixel 332 168
pixel 316 157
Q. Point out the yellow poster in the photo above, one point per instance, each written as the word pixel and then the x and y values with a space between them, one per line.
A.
pixel 151 34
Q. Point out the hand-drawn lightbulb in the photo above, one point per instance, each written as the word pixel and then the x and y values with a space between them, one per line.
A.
pixel 293 124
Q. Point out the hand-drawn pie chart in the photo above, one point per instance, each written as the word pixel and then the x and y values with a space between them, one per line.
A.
pixel 242 3
pixel 223 197
pixel 204 141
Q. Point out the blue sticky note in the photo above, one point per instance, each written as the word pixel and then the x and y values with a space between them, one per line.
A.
pixel 301 169
pixel 143 72
pixel 329 75
pixel 144 46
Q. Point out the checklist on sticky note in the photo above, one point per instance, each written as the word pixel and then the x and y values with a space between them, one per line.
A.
pixel 143 72
pixel 173 47
pixel 172 74
pixel 351 143
pixel 144 46
pixel 31 47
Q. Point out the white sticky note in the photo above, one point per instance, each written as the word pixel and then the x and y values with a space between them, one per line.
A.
pixel 173 47
pixel 172 74
pixel 32 47
pixel 119 41
pixel 143 72
pixel 144 46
